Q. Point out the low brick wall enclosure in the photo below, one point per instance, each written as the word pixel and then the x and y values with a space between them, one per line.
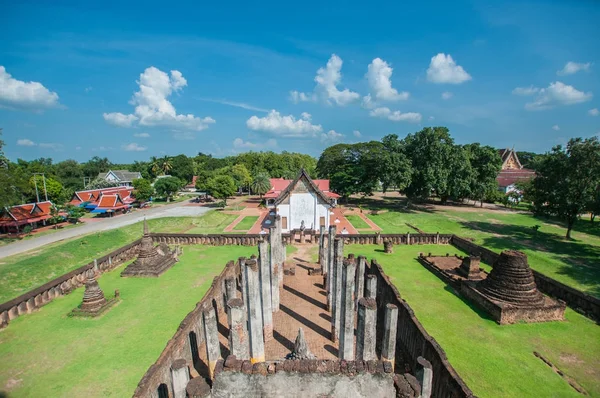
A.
pixel 585 304
pixel 415 341
pixel 304 378
pixel 34 299
pixel 179 346
pixel 290 238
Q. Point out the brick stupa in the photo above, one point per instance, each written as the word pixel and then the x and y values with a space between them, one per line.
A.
pixel 94 303
pixel 510 295
pixel 150 262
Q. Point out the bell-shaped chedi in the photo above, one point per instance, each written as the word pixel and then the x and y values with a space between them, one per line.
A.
pixel 93 297
pixel 511 281
pixel 300 350
pixel 150 261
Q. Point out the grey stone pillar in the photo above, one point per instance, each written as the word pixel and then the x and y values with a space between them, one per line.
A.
pixel 180 376
pixel 238 331
pixel 277 248
pixel 366 329
pixel 346 349
pixel 330 257
pixel 198 388
pixel 274 284
pixel 230 288
pixel 253 310
pixel 242 261
pixel 424 374
pixel 390 325
pixel 359 288
pixel 264 273
pixel 371 286
pixel 211 337
pixel 336 294
pixel 408 238
pixel 322 250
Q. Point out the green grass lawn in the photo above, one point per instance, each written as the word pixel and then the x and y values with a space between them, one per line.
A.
pixel 23 272
pixel 575 263
pixel 494 360
pixel 246 223
pixel 47 354
pixel 357 222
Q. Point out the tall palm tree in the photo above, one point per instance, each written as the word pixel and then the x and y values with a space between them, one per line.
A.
pixel 261 184
pixel 166 164
pixel 155 165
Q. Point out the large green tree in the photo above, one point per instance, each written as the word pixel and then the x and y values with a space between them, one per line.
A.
pixel 431 153
pixel 143 189
pixel 182 168
pixel 46 187
pixel 486 164
pixel 242 177
pixel 567 180
pixel 95 166
pixel 167 186
pixel 222 187
pixel 394 167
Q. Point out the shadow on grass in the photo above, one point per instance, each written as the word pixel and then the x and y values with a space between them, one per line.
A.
pixel 397 204
pixel 583 226
pixel 581 261
pixel 475 308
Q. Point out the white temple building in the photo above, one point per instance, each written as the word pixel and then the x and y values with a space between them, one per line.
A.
pixel 302 202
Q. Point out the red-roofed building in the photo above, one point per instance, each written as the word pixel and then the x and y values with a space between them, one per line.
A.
pixel 14 218
pixel 301 201
pixel 512 171
pixel 90 198
pixel 192 186
pixel 110 203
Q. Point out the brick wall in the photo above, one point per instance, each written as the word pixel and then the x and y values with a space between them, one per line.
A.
pixel 64 284
pixel 413 341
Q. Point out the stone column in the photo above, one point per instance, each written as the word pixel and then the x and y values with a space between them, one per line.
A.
pixel 424 375
pixel 390 325
pixel 253 310
pixel 277 247
pixel 322 250
pixel 366 329
pixel 336 293
pixel 211 337
pixel 242 261
pixel 346 349
pixel 330 256
pixel 198 388
pixel 359 289
pixel 180 376
pixel 238 331
pixel 408 238
pixel 274 266
pixel 264 274
pixel 230 288
pixel 371 286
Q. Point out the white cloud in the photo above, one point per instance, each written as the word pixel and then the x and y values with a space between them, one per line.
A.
pixel 573 67
pixel 133 147
pixel 328 79
pixel 594 112
pixel 396 116
pixel 233 103
pixel 152 107
pixel 556 127
pixel 141 135
pixel 357 133
pixel 119 119
pixel 443 69
pixel 306 116
pixel 297 97
pixel 51 145
pixel 367 102
pixel 558 93
pixel 284 126
pixel 331 136
pixel 525 90
pixel 447 95
pixel 239 143
pixel 25 142
pixel 18 94
pixel 379 76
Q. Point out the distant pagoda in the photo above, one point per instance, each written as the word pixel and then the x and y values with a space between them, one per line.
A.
pixel 151 261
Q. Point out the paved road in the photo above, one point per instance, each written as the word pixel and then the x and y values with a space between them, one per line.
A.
pixel 171 210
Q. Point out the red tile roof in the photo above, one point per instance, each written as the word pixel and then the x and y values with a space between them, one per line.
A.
pixel 279 185
pixel 111 202
pixel 93 195
pixel 509 177
pixel 26 213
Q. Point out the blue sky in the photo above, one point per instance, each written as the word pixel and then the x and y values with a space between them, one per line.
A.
pixel 130 80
